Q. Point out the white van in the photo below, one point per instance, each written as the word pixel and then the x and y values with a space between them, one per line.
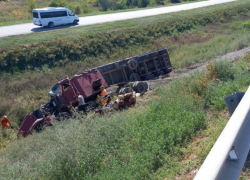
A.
pixel 52 16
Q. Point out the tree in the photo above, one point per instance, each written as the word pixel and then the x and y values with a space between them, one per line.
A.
pixel 105 4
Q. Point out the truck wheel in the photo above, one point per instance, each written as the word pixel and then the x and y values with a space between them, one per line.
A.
pixel 134 77
pixel 51 24
pixel 141 87
pixel 132 64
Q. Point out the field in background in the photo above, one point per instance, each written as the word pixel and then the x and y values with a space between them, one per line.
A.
pixel 14 12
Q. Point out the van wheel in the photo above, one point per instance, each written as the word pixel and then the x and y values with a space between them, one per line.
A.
pixel 51 24
pixel 75 22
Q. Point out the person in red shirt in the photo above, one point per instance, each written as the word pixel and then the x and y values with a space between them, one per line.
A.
pixel 5 123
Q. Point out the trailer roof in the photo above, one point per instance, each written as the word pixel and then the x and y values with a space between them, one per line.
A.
pixel 51 8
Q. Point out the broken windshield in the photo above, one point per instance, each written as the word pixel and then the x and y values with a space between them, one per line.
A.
pixel 55 90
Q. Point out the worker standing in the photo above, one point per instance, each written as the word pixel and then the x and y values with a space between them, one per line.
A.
pixel 5 123
pixel 104 95
pixel 81 103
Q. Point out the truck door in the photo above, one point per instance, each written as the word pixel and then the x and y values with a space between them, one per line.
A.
pixel 68 93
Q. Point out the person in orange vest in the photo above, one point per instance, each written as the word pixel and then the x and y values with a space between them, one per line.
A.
pixel 104 95
pixel 5 123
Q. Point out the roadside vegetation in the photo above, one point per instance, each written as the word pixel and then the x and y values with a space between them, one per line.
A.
pixel 14 12
pixel 169 136
pixel 146 142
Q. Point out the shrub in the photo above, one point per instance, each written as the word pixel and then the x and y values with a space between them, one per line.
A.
pixel 77 10
pixel 215 95
pixel 174 1
pixel 57 3
pixel 226 70
pixel 31 4
pixel 246 24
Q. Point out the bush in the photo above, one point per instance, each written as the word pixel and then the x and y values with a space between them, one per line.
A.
pixel 77 10
pixel 225 70
pixel 174 1
pixel 31 4
pixel 215 95
pixel 57 3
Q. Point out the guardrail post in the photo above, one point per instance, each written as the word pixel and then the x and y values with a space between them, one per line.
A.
pixel 233 101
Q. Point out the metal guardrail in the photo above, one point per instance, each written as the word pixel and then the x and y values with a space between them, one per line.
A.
pixel 228 155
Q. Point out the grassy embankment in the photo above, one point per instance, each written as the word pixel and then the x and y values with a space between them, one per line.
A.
pixel 17 12
pixel 147 142
pixel 143 143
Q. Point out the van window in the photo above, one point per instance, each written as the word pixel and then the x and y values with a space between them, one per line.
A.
pixel 35 15
pixel 53 14
pixel 71 13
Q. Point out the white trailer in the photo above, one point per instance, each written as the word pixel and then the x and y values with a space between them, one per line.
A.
pixel 52 16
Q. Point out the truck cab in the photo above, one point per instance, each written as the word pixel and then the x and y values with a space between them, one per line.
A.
pixel 87 84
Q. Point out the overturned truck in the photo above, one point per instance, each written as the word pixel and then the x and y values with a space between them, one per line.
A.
pixel 138 68
pixel 63 94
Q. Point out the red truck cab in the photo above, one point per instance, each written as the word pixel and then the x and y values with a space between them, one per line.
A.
pixel 87 84
pixel 62 94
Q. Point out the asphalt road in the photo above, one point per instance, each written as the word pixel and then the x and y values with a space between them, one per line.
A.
pixel 98 19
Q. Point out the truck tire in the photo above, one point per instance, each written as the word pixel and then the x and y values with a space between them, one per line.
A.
pixel 51 24
pixel 134 77
pixel 132 64
pixel 75 22
pixel 140 87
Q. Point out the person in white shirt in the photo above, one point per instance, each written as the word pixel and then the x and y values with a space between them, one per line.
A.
pixel 81 103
